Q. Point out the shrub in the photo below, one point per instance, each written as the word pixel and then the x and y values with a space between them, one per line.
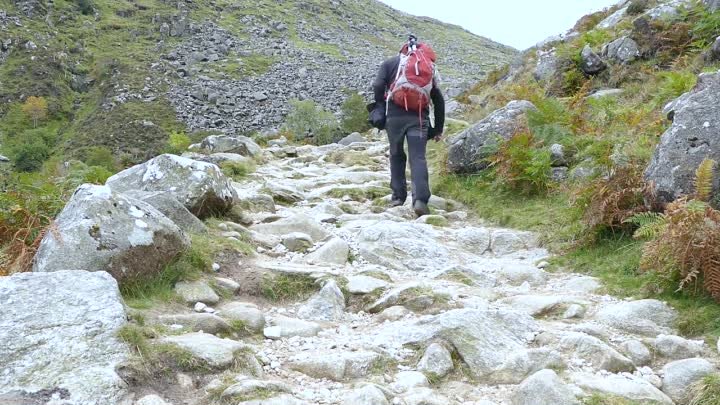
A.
pixel 637 7
pixel 100 156
pixel 307 120
pixel 523 165
pixel 705 27
pixel 86 6
pixel 590 21
pixel 609 202
pixel 36 108
pixel 354 114
pixel 707 391
pixel 237 170
pixel 684 241
pixel 29 157
pixel 178 142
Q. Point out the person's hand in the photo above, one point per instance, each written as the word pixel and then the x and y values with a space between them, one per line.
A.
pixel 438 137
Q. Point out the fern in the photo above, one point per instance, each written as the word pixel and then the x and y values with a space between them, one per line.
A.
pixel 650 224
pixel 704 180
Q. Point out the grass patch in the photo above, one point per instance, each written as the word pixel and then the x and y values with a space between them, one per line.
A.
pixel 458 277
pixel 189 266
pixel 359 194
pixel 598 399
pixel 707 391
pixel 237 170
pixel 378 275
pixel 287 287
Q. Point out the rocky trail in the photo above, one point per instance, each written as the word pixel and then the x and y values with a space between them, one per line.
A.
pixel 438 310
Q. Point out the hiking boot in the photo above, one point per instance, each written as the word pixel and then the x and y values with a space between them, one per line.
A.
pixel 421 208
pixel 396 203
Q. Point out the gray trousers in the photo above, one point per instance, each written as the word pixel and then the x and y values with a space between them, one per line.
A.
pixel 399 128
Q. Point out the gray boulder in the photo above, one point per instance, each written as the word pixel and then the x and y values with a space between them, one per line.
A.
pixel 483 339
pixel 201 187
pixel 712 5
pixel 544 388
pixel 677 348
pixel 557 154
pixel 367 395
pixel 166 203
pixel 622 50
pixel 242 145
pixel 613 19
pixel 591 63
pixel 547 65
pixel 403 246
pixel 336 366
pixel 642 317
pixel 250 315
pixel 354 137
pixel 192 292
pixel 524 363
pixel 637 352
pixel 468 149
pixel 214 352
pixel 296 223
pixel 333 252
pixel 624 386
pixel 207 323
pixel 690 139
pixel 714 52
pixel 595 352
pixel 297 241
pixel 281 327
pixel 679 377
pixel 436 360
pixel 361 284
pixel 59 333
pixel 327 305
pixel 101 230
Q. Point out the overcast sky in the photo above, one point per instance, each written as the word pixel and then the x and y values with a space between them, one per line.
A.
pixel 518 23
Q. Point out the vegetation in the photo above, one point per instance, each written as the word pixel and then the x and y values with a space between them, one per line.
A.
pixel 707 391
pixel 354 114
pixel 287 287
pixel 237 170
pixel 308 121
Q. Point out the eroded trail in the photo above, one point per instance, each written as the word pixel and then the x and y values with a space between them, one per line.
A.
pixel 437 310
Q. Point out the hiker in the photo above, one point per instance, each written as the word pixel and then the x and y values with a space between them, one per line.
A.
pixel 405 88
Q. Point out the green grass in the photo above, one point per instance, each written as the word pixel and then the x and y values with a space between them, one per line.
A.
pixel 707 391
pixel 237 170
pixel 189 266
pixel 598 399
pixel 359 194
pixel 287 287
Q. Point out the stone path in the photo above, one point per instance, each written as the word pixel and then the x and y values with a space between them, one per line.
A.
pixel 437 310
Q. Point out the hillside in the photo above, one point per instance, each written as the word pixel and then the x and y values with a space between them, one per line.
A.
pixel 123 75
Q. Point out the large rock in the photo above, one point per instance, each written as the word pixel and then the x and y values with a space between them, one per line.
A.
pixel 352 138
pixel 595 352
pixel 637 352
pixel 680 376
pixel 677 348
pixel 361 284
pixel 200 186
pixel 336 366
pixel 544 388
pixel 469 149
pixel 436 361
pixel 367 395
pixel 401 246
pixel 166 203
pixel 101 230
pixel 252 317
pixel 622 50
pixel 484 339
pixel 691 139
pixel 524 363
pixel 547 65
pixel 208 323
pixel 613 19
pixel 642 317
pixel 625 386
pixel 283 327
pixel 239 144
pixel 213 351
pixel 59 333
pixel 591 63
pixel 333 252
pixel 193 292
pixel 327 305
pixel 714 52
pixel 296 223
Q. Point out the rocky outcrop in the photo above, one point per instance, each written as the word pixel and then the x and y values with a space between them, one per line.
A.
pixel 59 338
pixel 169 206
pixel 691 139
pixel 622 50
pixel 101 230
pixel 544 388
pixel 642 317
pixel 241 145
pixel 591 63
pixel 201 187
pixel 468 149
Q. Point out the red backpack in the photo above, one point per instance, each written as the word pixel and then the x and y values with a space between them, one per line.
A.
pixel 415 77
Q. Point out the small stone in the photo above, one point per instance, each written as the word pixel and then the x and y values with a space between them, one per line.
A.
pixel 215 267
pixel 409 380
pixel 200 307
pixel 297 241
pixel 574 311
pixel 151 400
pixel 637 352
pixel 196 291
pixel 437 360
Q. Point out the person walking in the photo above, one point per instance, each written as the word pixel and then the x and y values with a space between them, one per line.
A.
pixel 406 88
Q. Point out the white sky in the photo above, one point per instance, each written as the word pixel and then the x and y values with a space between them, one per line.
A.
pixel 518 23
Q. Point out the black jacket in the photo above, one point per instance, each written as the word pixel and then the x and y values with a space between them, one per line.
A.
pixel 386 76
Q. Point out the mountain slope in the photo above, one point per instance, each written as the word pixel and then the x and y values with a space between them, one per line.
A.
pixel 124 74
